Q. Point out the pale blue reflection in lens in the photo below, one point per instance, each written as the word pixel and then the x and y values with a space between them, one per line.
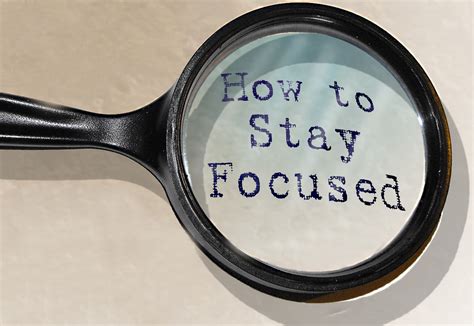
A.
pixel 317 233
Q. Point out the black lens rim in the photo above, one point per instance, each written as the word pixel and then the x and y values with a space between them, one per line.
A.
pixel 307 286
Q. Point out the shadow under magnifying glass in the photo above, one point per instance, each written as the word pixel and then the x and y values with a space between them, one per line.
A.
pixel 403 294
pixel 84 164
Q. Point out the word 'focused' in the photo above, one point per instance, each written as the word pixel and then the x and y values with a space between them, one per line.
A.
pixel 249 185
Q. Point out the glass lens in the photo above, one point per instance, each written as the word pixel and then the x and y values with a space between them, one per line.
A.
pixel 303 148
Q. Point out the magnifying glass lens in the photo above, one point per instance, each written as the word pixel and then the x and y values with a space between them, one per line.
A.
pixel 303 148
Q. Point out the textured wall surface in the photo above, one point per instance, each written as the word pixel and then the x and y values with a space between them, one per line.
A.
pixel 88 237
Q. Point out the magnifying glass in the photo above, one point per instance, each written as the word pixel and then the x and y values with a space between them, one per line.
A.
pixel 303 149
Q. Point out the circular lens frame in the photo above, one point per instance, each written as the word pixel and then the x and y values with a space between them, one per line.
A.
pixel 397 255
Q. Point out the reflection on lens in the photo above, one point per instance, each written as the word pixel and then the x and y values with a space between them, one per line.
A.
pixel 303 149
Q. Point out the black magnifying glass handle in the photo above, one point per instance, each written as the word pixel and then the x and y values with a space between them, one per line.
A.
pixel 31 124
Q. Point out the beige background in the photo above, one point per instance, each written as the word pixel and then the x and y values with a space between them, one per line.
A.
pixel 88 237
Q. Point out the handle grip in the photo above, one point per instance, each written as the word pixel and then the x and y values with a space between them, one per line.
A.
pixel 31 124
pixel 27 123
